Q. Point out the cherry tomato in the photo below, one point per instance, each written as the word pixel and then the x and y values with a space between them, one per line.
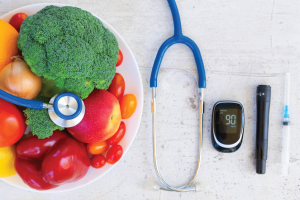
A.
pixel 12 124
pixel 114 154
pixel 97 147
pixel 117 86
pixel 17 20
pixel 98 161
pixel 128 105
pixel 120 58
pixel 118 136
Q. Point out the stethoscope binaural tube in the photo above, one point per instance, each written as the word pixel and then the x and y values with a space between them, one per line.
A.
pixel 178 38
pixel 65 109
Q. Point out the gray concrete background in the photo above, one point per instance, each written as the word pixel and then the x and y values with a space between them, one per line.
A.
pixel 243 44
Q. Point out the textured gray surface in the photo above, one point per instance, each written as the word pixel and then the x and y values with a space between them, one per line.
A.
pixel 243 44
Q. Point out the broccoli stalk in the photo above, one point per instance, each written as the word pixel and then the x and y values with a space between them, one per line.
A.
pixel 39 121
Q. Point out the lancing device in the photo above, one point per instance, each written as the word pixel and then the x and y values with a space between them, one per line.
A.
pixel 285 148
pixel 263 101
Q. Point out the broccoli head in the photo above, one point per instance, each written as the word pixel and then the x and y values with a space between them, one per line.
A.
pixel 71 47
pixel 39 121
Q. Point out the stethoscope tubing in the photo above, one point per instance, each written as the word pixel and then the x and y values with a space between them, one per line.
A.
pixel 21 102
pixel 178 38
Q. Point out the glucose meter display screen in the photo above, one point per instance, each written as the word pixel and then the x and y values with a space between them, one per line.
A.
pixel 228 120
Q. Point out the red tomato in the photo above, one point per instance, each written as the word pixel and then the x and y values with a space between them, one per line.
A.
pixel 117 86
pixel 97 147
pixel 128 105
pixel 114 154
pixel 120 58
pixel 17 20
pixel 118 136
pixel 12 124
pixel 98 161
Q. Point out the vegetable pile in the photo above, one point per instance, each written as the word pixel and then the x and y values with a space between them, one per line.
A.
pixel 65 49
pixel 70 46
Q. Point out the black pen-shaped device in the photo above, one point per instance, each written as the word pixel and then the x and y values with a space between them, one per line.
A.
pixel 263 101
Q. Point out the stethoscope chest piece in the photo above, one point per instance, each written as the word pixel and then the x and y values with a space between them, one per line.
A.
pixel 67 110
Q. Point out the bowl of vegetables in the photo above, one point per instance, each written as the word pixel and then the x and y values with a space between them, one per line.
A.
pixel 62 48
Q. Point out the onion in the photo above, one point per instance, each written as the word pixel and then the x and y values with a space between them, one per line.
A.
pixel 17 79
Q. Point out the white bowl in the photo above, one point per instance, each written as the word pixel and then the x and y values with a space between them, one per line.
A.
pixel 133 85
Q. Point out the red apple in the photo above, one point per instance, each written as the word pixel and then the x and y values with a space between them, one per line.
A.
pixel 101 120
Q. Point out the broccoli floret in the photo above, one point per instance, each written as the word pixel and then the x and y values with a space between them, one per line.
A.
pixel 39 121
pixel 71 47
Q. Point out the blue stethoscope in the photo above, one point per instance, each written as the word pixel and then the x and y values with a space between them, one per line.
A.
pixel 178 38
pixel 65 109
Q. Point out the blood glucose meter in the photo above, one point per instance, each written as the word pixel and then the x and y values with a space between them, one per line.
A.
pixel 227 128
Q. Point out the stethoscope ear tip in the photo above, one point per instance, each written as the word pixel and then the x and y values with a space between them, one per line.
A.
pixel 202 187
pixel 199 188
pixel 152 186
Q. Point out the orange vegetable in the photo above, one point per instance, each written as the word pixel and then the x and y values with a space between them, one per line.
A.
pixel 128 105
pixel 97 147
pixel 8 43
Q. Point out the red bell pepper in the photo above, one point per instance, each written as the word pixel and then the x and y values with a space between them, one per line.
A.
pixel 48 163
